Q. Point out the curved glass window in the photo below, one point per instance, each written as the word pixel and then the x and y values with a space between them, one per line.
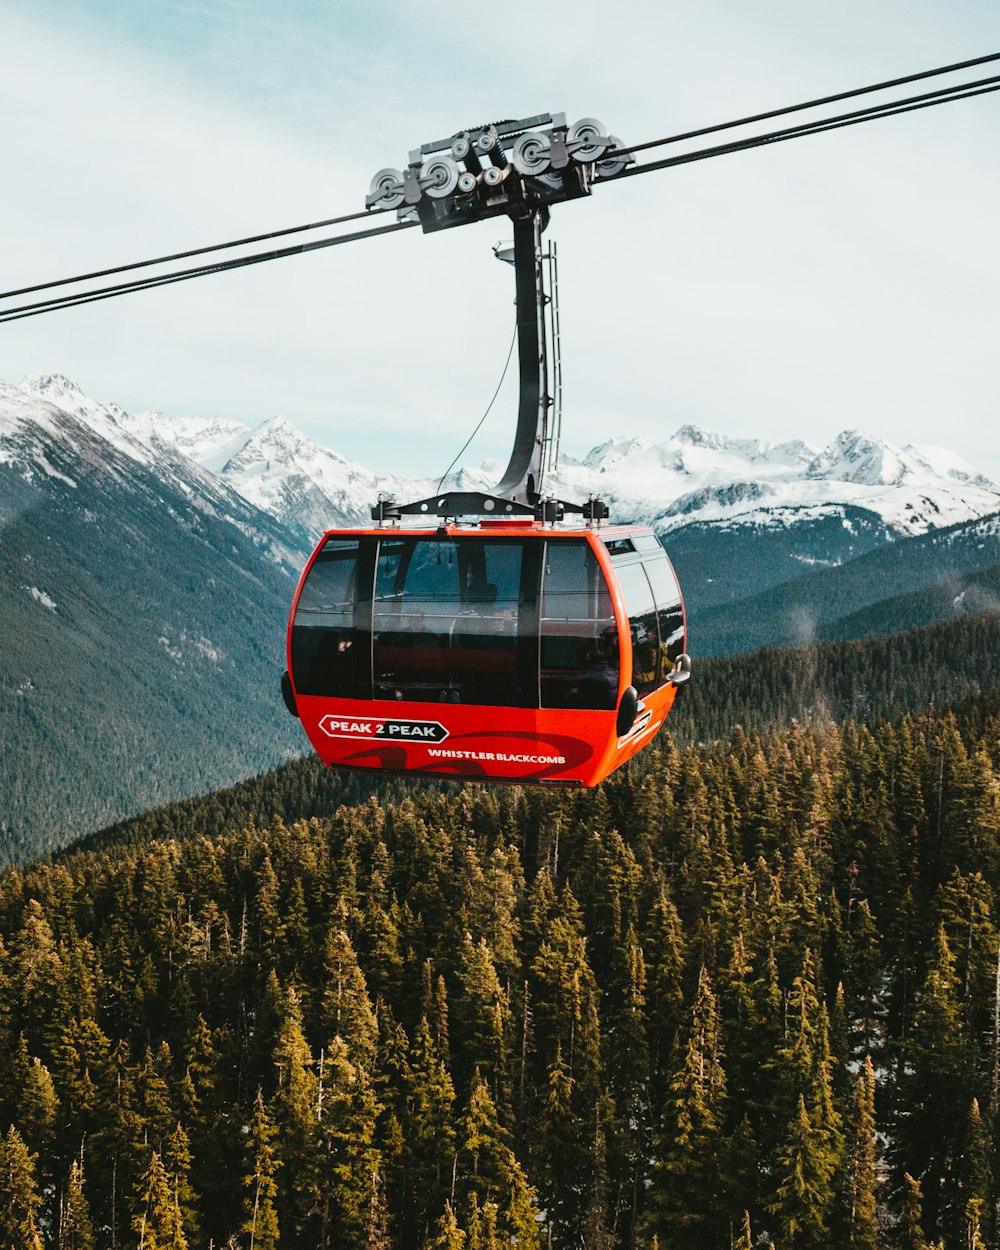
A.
pixel 330 651
pixel 669 609
pixel 579 637
pixel 641 608
pixel 501 622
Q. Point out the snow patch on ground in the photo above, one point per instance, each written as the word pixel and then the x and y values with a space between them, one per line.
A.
pixel 41 597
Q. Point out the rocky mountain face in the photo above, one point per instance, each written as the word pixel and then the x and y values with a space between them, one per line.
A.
pixel 142 612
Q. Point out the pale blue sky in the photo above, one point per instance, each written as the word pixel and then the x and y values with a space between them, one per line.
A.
pixel 842 280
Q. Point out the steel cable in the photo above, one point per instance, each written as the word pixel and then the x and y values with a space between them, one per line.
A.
pixel 890 108
pixel 146 284
pixel 808 104
pixel 195 251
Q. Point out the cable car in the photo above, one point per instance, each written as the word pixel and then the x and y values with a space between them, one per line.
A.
pixel 507 651
pixel 518 647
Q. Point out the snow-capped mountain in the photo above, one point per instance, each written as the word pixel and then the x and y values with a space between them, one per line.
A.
pixel 49 428
pixel 695 476
pixel 142 611
pixel 701 476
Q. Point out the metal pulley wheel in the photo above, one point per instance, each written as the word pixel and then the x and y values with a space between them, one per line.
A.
pixel 386 189
pixel 439 177
pixel 467 183
pixel 613 164
pixel 587 139
pixel 495 175
pixel 460 147
pixel 531 152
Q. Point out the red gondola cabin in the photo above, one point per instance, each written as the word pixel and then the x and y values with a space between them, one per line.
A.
pixel 505 651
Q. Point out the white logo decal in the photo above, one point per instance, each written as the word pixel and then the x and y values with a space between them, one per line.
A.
pixel 383 729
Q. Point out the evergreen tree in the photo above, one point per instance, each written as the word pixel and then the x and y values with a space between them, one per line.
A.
pixel 430 1129
pixel 745 1241
pixel 346 1008
pixel 805 1171
pixel 376 1229
pixel 596 1233
pixel 664 950
pixel 973 1214
pixel 480 1014
pixel 489 1174
pixel 693 1145
pixel 158 1225
pixel 934 1085
pixel 449 1235
pixel 347 1118
pixel 805 1070
pixel 76 1230
pixel 20 1201
pixel 555 1126
pixel 261 1218
pixel 177 1162
pixel 865 972
pixel 36 1102
pixel 863 1220
pixel 294 1108
pixel 969 1188
pixel 911 1233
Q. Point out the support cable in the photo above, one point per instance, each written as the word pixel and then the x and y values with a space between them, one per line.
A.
pixel 944 95
pixel 195 251
pixel 479 426
pixel 183 275
pixel 808 104
pixel 816 127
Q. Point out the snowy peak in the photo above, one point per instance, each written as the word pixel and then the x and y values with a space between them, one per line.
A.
pixel 55 388
pixel 274 443
pixel 66 395
pixel 695 476
pixel 697 436
pixel 854 457
pixel 55 437
pixel 614 450
pixel 699 475
pixel 945 463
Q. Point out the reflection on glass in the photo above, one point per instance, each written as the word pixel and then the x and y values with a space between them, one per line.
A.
pixel 329 651
pixel 641 610
pixel 670 613
pixel 447 619
pixel 579 638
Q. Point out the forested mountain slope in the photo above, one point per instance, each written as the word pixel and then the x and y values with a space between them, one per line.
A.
pixel 941 666
pixel 530 1017
pixel 142 612
pixel 823 603
pixel 959 594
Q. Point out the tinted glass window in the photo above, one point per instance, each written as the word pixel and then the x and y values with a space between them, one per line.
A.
pixel 579 638
pixel 330 652
pixel 454 622
pixel 646 542
pixel 641 610
pixel 669 611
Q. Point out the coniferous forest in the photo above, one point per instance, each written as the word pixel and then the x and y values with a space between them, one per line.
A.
pixel 744 994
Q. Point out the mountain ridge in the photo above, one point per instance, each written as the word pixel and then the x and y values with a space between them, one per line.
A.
pixel 695 475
